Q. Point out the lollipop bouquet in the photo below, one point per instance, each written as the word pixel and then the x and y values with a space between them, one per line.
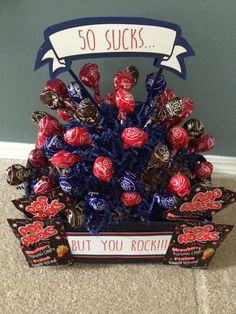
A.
pixel 118 165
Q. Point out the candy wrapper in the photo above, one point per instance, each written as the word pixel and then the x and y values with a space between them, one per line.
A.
pixel 202 201
pixel 194 244
pixel 43 242
pixel 51 204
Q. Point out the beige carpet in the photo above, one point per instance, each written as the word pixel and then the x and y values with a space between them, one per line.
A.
pixel 122 289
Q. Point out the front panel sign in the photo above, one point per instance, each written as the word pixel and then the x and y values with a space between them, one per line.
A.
pixel 123 245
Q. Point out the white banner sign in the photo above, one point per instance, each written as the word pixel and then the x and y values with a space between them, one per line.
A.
pixel 118 245
pixel 104 37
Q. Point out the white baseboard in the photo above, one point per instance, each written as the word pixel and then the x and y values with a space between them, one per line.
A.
pixel 222 164
pixel 11 150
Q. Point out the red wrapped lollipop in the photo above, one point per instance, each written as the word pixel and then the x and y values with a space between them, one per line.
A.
pixel 123 80
pixel 188 107
pixel 78 136
pixel 178 137
pixel 90 76
pixel 40 141
pixel 64 159
pixel 203 170
pixel 59 86
pixel 134 137
pixel 103 168
pixel 202 144
pixel 49 125
pixel 67 113
pixel 130 198
pixel 110 98
pixel 44 185
pixel 179 184
pixel 166 96
pixel 37 158
pixel 125 103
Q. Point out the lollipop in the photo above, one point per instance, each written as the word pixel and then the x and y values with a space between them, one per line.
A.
pixel 187 110
pixel 44 185
pixel 51 99
pixel 57 85
pixel 203 170
pixel 194 127
pixel 37 158
pixel 151 182
pixel 167 200
pixel 64 159
pixel 49 125
pixel 37 116
pixel 188 107
pixel 69 183
pixel 17 174
pixel 170 110
pixel 96 201
pixel 159 158
pixel 203 144
pixel 87 112
pixel 64 115
pixel 52 145
pixel 78 136
pixel 178 137
pixel 128 182
pixel 166 96
pixel 67 113
pixel 123 80
pixel 75 92
pixel 40 141
pixel 132 70
pixel 75 215
pixel 125 103
pixel 155 84
pixel 130 199
pixel 90 76
pixel 103 168
pixel 111 98
pixel 134 137
pixel 179 184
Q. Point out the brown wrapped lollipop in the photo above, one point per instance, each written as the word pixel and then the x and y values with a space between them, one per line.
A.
pixel 170 110
pixel 75 215
pixel 134 73
pixel 194 127
pixel 87 112
pixel 175 169
pixel 151 181
pixel 37 116
pixel 159 158
pixel 17 174
pixel 52 100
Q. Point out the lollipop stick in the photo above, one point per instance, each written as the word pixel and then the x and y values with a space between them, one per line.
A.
pixel 149 97
pixel 84 90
